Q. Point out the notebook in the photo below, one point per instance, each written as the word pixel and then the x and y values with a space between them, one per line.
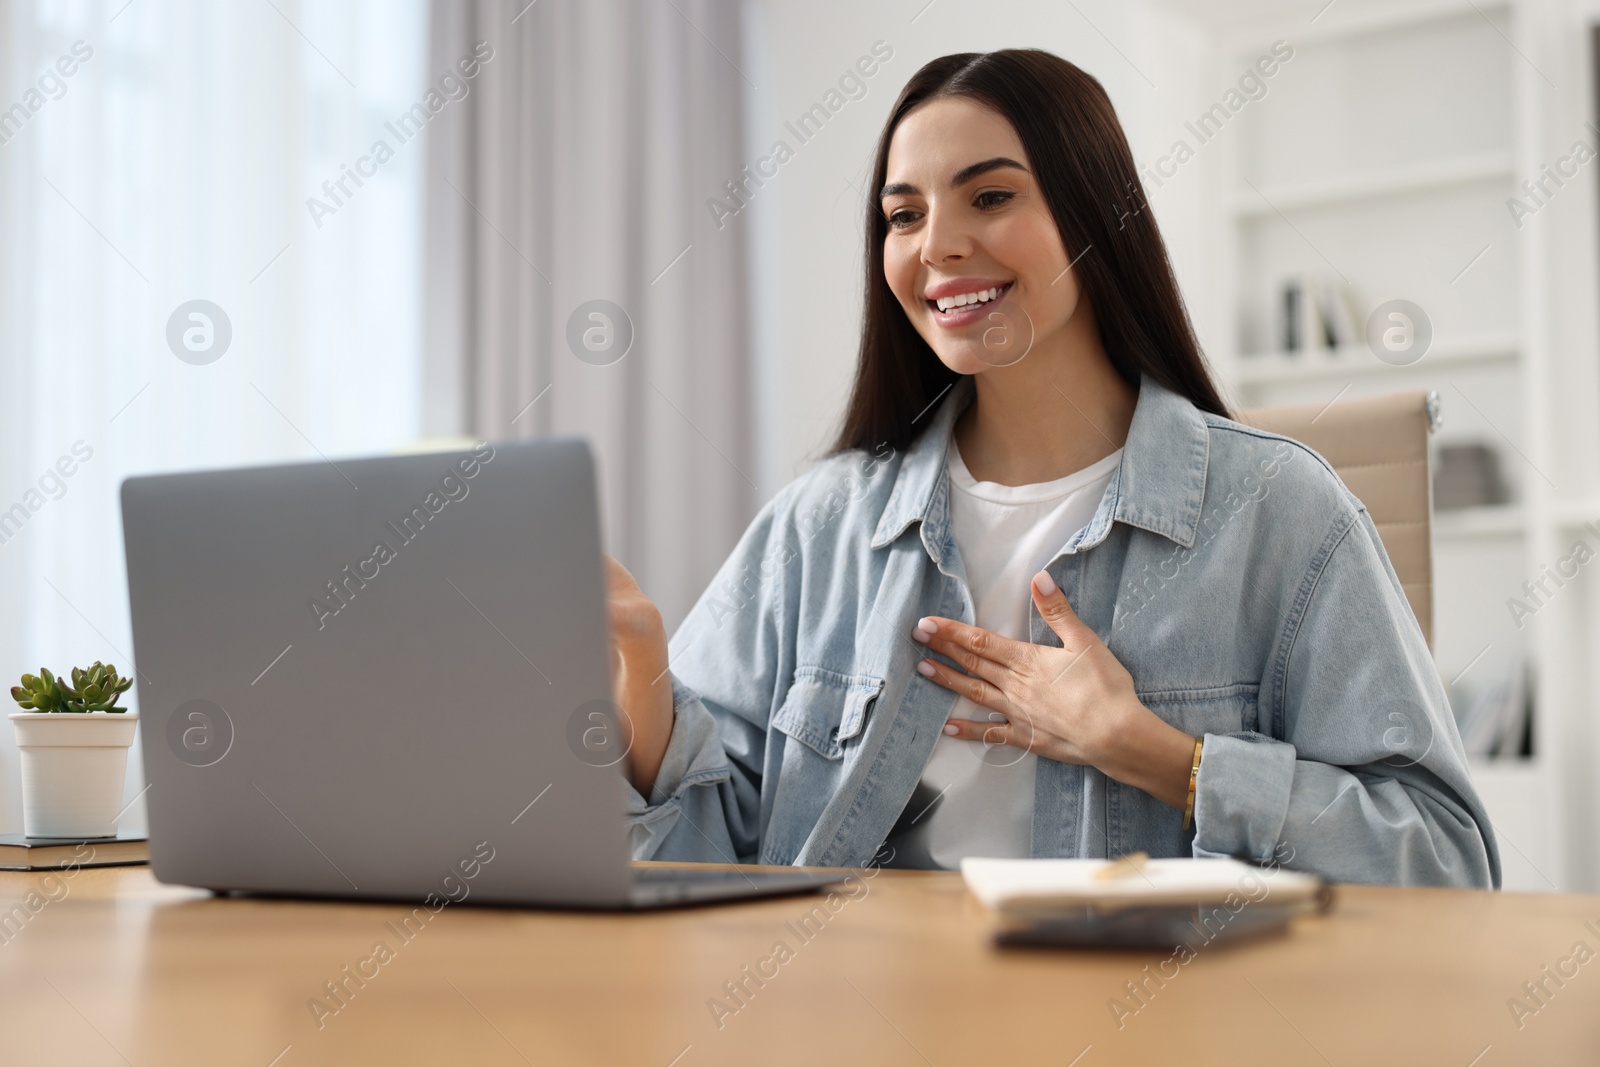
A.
pixel 1134 902
pixel 19 852
pixel 1021 888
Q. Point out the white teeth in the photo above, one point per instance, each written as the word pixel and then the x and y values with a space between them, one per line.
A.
pixel 945 303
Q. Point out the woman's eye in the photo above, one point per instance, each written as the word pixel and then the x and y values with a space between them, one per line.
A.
pixel 992 198
pixel 900 219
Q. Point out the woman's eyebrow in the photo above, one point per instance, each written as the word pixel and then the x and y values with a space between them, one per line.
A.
pixel 961 177
pixel 966 174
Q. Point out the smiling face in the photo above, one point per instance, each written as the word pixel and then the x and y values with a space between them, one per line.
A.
pixel 972 251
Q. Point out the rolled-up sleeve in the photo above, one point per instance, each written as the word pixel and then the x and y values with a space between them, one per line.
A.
pixel 1361 775
pixel 726 662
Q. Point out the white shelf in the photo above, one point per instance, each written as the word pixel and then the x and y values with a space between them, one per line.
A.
pixel 1503 520
pixel 1509 520
pixel 1252 25
pixel 1502 768
pixel 1352 361
pixel 1378 214
pixel 1519 795
pixel 1572 513
pixel 1469 170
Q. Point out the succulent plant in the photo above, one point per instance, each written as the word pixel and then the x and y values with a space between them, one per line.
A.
pixel 94 689
pixel 41 692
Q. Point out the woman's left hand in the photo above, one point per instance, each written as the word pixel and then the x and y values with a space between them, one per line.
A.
pixel 1075 704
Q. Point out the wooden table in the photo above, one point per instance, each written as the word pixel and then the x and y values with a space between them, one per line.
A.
pixel 118 969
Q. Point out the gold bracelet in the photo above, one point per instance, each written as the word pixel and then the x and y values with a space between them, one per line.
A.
pixel 1194 777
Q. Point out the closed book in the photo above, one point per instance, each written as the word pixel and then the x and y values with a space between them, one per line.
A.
pixel 19 852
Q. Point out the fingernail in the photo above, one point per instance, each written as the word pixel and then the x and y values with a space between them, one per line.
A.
pixel 1044 583
pixel 925 668
pixel 928 626
pixel 952 729
pixel 919 635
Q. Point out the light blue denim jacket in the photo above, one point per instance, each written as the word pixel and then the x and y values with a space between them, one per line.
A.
pixel 1229 569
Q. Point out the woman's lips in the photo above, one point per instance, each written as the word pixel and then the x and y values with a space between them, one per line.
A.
pixel 967 314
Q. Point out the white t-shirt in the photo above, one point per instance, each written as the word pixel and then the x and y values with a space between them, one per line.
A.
pixel 1005 534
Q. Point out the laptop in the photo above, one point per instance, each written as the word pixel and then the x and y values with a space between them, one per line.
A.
pixel 389 679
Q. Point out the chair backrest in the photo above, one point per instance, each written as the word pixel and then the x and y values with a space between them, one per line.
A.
pixel 1379 446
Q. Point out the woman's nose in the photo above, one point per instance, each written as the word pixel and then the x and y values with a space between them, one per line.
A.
pixel 945 238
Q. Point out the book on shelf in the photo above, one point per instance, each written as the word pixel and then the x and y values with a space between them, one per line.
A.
pixel 19 852
pixel 1296 327
pixel 1494 720
pixel 1337 312
pixel 1317 312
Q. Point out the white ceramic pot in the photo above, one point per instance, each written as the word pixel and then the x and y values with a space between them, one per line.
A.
pixel 73 768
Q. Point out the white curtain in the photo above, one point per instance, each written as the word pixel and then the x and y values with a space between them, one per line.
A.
pixel 175 163
pixel 590 144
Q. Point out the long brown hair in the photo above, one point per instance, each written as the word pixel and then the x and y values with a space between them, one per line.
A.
pixel 1081 160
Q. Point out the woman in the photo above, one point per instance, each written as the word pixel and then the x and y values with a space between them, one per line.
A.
pixel 1043 598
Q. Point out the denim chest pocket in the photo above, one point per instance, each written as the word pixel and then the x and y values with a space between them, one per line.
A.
pixel 821 720
pixel 1224 709
pixel 825 709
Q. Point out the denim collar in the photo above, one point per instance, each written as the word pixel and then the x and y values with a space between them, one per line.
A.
pixel 1159 485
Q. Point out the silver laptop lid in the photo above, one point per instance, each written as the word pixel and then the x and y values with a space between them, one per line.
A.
pixel 381 678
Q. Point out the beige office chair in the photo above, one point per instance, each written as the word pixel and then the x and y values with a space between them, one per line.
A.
pixel 1379 446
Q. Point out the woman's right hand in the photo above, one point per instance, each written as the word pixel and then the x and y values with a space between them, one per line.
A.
pixel 639 675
